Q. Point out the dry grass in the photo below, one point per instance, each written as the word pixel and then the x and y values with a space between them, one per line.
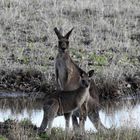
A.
pixel 24 130
pixel 104 35
pixel 14 130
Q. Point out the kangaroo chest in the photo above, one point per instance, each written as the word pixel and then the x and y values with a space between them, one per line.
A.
pixel 62 70
pixel 83 97
pixel 66 73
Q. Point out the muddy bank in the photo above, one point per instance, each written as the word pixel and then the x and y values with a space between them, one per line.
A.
pixel 33 84
pixel 24 83
pixel 21 80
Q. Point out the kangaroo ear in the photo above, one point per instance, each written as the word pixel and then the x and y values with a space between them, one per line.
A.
pixel 90 73
pixel 68 34
pixel 59 35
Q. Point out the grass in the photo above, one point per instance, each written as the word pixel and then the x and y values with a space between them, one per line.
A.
pixel 2 138
pixel 103 30
pixel 19 130
pixel 26 130
pixel 25 122
pixel 105 36
pixel 121 134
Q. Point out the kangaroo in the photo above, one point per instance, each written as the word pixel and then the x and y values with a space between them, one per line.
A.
pixel 67 77
pixel 65 102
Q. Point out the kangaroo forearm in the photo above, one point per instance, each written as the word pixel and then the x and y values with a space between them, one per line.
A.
pixel 77 67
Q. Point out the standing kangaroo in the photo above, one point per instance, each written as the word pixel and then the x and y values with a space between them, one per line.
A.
pixel 65 102
pixel 67 77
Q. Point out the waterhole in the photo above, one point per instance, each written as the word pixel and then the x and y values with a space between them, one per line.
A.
pixel 113 114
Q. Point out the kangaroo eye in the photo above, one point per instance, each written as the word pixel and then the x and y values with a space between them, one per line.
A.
pixel 83 81
pixel 67 42
pixel 60 43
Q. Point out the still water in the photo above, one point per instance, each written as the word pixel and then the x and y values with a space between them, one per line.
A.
pixel 113 114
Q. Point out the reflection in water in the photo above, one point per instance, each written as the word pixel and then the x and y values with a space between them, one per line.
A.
pixel 113 114
pixel 121 113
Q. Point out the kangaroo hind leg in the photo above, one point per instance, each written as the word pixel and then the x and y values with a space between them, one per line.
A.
pixel 50 109
pixel 95 119
pixel 67 121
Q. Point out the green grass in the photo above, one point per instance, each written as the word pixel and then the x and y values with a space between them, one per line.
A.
pixel 25 122
pixel 2 138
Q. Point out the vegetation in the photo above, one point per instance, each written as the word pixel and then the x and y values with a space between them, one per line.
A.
pixel 2 138
pixel 20 130
pixel 106 38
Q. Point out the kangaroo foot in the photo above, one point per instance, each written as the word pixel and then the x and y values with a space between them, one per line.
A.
pixel 40 131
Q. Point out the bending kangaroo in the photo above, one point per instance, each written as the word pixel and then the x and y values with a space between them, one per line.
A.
pixel 65 102
pixel 67 77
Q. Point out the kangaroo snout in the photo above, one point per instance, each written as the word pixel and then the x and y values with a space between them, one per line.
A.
pixel 85 83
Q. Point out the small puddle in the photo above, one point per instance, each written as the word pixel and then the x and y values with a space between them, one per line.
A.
pixel 121 113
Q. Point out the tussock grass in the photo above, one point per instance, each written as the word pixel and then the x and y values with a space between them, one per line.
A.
pixel 15 130
pixel 102 29
pixel 121 134
pixel 105 36
pixel 2 138
pixel 12 129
